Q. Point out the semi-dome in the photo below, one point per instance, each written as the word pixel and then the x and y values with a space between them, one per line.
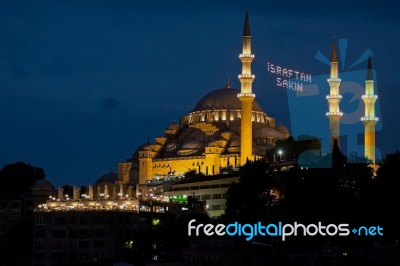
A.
pixel 225 98
pixel 171 147
pixel 109 177
pixel 234 147
pixel 283 129
pixel 190 147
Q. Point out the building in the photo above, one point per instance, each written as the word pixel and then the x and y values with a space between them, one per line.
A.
pixel 102 231
pixel 226 128
pixel 16 207
pixel 16 214
pixel 210 189
pixel 66 237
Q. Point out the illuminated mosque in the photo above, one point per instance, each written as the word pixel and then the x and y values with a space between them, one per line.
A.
pixel 226 128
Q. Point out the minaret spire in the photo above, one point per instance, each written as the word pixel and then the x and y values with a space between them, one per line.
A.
pixel 369 119
pixel 369 69
pixel 334 115
pixel 246 96
pixel 334 57
pixel 246 28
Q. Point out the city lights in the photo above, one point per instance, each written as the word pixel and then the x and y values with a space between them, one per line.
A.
pixel 280 155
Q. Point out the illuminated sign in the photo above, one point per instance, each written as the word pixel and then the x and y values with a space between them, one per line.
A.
pixel 289 78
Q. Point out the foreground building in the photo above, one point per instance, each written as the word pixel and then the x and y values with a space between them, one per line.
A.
pixel 210 190
pixel 67 237
pixel 103 231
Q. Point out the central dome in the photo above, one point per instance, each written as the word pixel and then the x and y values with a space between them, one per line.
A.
pixel 225 98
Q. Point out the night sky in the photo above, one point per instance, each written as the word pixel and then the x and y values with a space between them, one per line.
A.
pixel 83 83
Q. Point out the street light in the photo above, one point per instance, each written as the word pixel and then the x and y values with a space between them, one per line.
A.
pixel 280 155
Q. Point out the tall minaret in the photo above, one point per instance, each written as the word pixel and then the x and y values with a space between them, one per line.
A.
pixel 369 119
pixel 246 96
pixel 334 115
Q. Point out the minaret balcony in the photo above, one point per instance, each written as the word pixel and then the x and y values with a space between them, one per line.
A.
pixel 369 118
pixel 333 96
pixel 334 114
pixel 246 56
pixel 369 96
pixel 246 76
pixel 334 80
pixel 247 95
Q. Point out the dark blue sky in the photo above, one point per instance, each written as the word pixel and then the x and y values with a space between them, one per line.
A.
pixel 83 83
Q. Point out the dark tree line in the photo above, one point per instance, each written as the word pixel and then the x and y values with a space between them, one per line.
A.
pixel 345 193
pixel 18 178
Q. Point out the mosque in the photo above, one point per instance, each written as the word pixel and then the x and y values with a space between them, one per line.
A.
pixel 226 128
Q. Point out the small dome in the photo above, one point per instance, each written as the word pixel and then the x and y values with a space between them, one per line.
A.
pixel 217 143
pixel 172 128
pixel 225 98
pixel 264 132
pixel 151 147
pixel 283 129
pixel 110 177
pixel 43 184
pixel 43 187
pixel 147 148
pixel 138 149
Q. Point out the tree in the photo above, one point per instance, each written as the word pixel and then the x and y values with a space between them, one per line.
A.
pixel 19 177
pixel 16 181
pixel 246 200
pixel 386 196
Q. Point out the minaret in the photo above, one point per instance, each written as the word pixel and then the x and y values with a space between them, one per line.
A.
pixel 246 96
pixel 334 115
pixel 369 119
